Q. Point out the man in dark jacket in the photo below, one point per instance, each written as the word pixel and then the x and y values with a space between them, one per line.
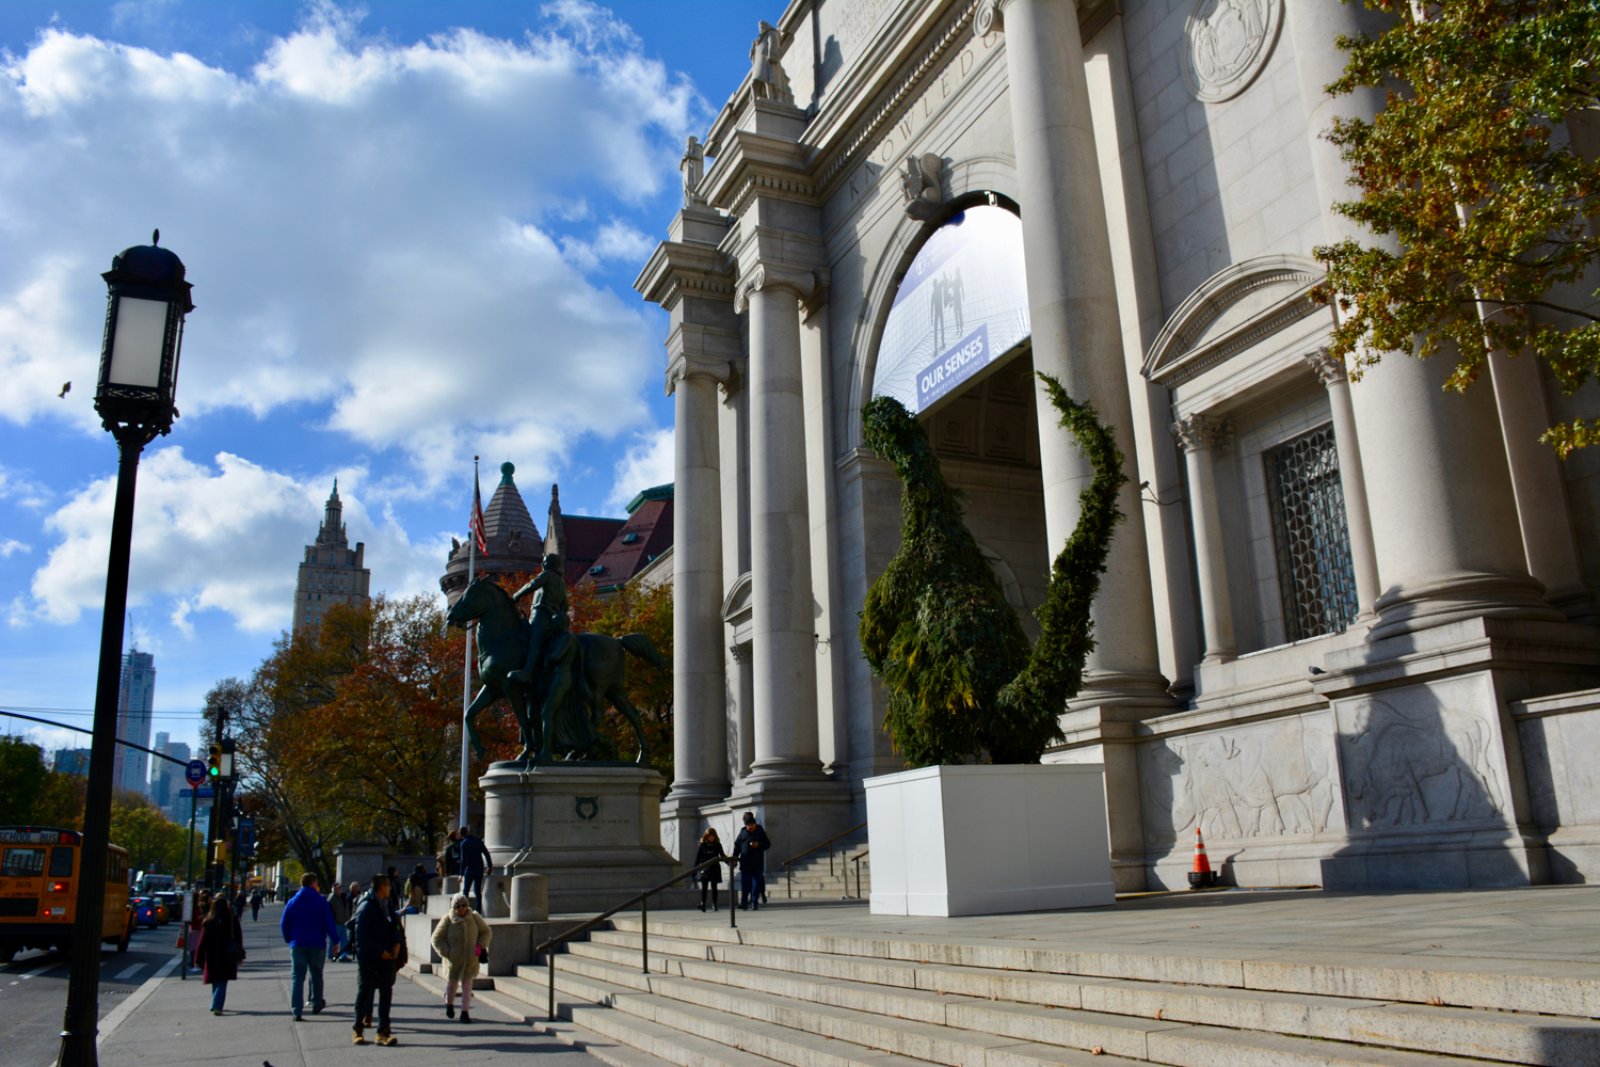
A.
pixel 377 947
pixel 750 849
pixel 476 865
pixel 307 924
pixel 339 902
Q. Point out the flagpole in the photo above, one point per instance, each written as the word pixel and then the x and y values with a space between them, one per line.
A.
pixel 466 683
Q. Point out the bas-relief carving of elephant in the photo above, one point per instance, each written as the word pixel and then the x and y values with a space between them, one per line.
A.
pixel 1242 787
pixel 1403 769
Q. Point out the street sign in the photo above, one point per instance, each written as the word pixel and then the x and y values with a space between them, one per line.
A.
pixel 195 772
pixel 195 794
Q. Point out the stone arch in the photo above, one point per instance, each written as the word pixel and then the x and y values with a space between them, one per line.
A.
pixel 970 181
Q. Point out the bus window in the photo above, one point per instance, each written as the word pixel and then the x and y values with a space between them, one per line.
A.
pixel 60 862
pixel 22 863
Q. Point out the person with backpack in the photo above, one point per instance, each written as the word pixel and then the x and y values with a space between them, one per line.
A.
pixel 220 950
pixel 378 946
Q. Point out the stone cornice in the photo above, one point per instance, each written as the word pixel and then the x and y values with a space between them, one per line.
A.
pixel 677 269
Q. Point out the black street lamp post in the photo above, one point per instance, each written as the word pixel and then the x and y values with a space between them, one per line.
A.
pixel 147 302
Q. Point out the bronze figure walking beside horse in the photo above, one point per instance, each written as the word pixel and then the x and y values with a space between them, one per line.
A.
pixel 562 728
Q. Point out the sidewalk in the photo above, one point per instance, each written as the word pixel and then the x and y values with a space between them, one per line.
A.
pixel 169 1022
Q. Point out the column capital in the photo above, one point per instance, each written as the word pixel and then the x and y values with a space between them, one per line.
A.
pixel 684 366
pixel 1329 368
pixel 1199 431
pixel 806 285
pixel 989 16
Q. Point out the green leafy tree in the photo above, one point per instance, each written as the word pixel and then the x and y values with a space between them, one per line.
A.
pixel 23 775
pixel 936 628
pixel 1470 174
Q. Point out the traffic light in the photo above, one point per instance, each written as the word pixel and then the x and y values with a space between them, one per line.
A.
pixel 214 769
pixel 226 762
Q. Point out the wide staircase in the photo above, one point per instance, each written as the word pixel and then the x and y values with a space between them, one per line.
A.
pixel 761 993
pixel 838 870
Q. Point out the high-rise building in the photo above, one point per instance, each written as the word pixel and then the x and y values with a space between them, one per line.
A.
pixel 135 700
pixel 72 761
pixel 166 778
pixel 332 572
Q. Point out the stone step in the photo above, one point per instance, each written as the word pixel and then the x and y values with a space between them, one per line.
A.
pixel 782 1043
pixel 958 1030
pixel 1509 1036
pixel 606 1049
pixel 1458 982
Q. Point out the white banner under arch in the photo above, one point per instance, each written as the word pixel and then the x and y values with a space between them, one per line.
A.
pixel 963 303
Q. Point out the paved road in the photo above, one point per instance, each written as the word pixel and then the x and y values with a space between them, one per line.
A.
pixel 33 991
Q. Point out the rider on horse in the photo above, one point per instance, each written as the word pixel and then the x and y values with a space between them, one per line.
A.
pixel 547 617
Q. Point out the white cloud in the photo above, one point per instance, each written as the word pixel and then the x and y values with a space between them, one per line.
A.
pixel 393 232
pixel 11 546
pixel 647 463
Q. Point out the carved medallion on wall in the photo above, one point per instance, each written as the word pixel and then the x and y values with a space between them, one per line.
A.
pixel 1226 43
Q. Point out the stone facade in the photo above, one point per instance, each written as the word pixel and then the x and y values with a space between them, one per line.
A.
pixel 1347 630
pixel 332 572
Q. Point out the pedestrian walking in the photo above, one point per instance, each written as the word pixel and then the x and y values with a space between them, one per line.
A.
pixel 307 924
pixel 255 905
pixel 417 891
pixel 197 918
pixel 378 947
pixel 396 890
pixel 220 950
pixel 476 865
pixel 339 905
pixel 449 857
pixel 711 877
pixel 461 939
pixel 750 847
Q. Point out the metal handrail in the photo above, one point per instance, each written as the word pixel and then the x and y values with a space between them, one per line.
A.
pixel 788 869
pixel 856 859
pixel 643 900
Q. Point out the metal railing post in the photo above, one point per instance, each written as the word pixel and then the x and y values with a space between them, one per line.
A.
pixel 644 932
pixel 733 899
pixel 551 1014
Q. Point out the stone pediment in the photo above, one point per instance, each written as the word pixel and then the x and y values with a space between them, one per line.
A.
pixel 736 605
pixel 1232 312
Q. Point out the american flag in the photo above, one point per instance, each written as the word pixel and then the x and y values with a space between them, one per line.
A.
pixel 476 523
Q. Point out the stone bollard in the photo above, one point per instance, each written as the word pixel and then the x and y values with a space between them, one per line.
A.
pixel 452 885
pixel 530 899
pixel 496 896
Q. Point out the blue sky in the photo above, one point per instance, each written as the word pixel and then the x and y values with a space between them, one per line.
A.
pixel 412 229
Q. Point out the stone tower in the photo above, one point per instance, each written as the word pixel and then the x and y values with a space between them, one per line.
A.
pixel 332 572
pixel 515 546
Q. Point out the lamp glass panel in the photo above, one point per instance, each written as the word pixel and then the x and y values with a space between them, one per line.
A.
pixel 136 348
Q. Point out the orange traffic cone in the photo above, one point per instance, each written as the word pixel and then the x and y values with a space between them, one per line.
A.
pixel 1202 876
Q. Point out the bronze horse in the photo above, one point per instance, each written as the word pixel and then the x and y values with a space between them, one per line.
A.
pixel 598 673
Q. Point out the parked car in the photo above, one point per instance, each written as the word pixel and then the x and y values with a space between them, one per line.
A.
pixel 146 912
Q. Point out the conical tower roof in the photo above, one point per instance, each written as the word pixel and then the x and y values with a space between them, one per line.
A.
pixel 514 544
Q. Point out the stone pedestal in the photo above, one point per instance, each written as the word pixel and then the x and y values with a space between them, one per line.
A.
pixel 593 832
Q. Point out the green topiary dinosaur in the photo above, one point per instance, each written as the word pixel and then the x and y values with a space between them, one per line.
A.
pixel 936 627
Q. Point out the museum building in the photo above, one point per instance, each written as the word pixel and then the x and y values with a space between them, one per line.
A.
pixel 1348 630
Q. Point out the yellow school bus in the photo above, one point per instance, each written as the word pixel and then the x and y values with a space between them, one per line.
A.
pixel 39 872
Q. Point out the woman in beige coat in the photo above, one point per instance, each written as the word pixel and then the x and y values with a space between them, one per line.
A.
pixel 458 939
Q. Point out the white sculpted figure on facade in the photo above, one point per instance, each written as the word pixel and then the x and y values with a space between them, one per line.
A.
pixel 767 79
pixel 921 185
pixel 693 168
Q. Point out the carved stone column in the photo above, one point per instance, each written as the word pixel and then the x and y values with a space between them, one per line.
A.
pixel 1352 476
pixel 783 631
pixel 1077 333
pixel 1200 435
pixel 1444 519
pixel 699 740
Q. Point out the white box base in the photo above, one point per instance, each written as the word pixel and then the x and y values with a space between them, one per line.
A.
pixel 987 840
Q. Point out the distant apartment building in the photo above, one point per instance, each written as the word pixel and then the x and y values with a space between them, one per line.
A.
pixel 332 572
pixel 135 700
